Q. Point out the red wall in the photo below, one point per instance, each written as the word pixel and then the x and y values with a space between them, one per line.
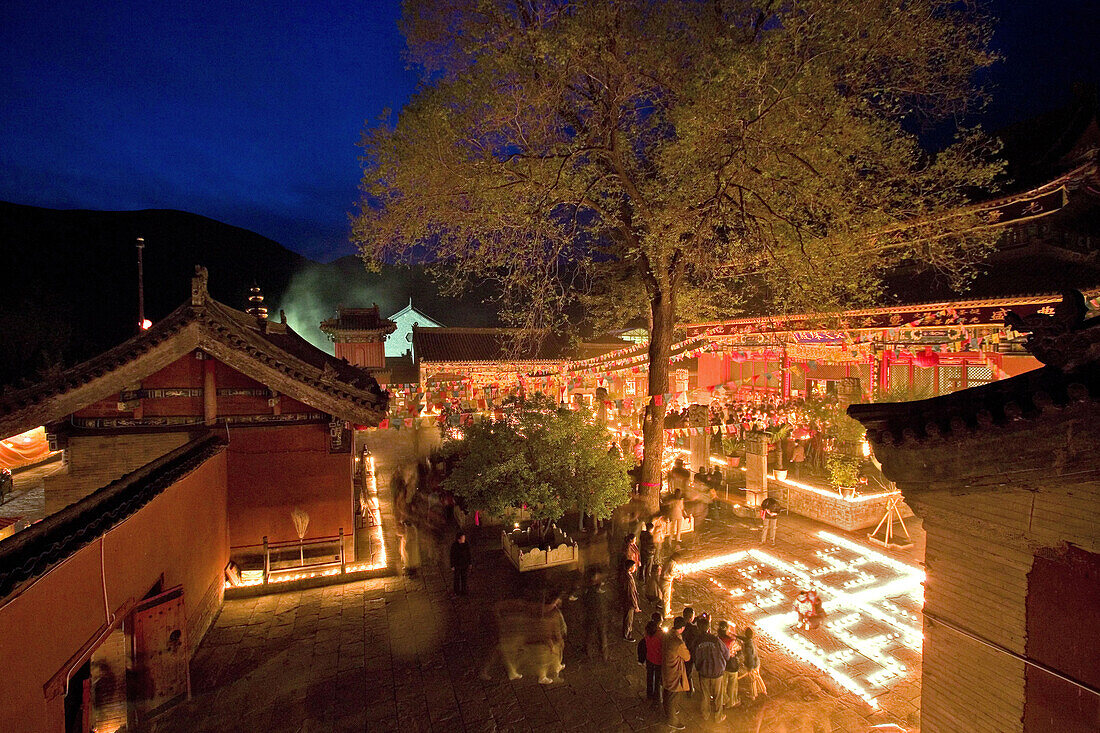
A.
pixel 713 370
pixel 362 354
pixel 181 533
pixel 274 469
pixel 1063 619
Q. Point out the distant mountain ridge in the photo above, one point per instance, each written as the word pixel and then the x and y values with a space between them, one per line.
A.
pixel 68 281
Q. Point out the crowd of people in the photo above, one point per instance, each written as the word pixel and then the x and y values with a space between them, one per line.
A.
pixel 693 657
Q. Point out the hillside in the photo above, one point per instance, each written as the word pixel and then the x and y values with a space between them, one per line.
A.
pixel 69 287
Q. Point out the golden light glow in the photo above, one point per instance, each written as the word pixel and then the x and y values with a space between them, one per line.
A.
pixel 854 498
pixel 251 578
pixel 867 591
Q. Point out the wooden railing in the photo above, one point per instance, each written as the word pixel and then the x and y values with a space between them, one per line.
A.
pixel 248 556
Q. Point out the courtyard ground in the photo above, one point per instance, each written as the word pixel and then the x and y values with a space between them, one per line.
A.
pixel 401 653
pixel 28 498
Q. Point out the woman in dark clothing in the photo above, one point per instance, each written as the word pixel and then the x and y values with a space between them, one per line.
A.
pixel 750 664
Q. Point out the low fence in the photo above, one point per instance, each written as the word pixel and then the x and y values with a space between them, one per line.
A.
pixel 528 550
pixel 265 561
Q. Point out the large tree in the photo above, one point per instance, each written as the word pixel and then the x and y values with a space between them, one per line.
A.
pixel 541 456
pixel 676 157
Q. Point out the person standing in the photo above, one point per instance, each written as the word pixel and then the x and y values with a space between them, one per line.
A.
pixel 545 641
pixel 769 518
pixel 653 640
pixel 709 656
pixel 460 563
pixel 674 679
pixel 630 549
pixel 595 616
pixel 691 635
pixel 669 572
pixel 750 664
pixel 678 477
pixel 798 457
pixel 647 550
pixel 628 589
pixel 660 539
pixel 677 515
pixel 652 590
pixel 730 691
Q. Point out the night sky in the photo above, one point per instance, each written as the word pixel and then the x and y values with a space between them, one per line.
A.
pixel 249 112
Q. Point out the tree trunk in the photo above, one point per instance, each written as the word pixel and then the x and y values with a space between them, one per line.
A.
pixel 663 323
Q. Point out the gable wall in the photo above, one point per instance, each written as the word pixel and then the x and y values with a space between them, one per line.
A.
pixel 180 535
pixel 272 470
pixel 991 507
pixel 93 461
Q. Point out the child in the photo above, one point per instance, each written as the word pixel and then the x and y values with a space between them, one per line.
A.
pixel 804 607
pixel 750 664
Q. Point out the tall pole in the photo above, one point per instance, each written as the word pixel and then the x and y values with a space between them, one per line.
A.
pixel 141 285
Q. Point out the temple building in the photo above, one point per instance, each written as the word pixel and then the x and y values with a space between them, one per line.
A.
pixel 360 336
pixel 215 435
pixel 1006 479
pixel 400 342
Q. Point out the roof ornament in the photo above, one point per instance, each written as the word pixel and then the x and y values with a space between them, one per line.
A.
pixel 198 286
pixel 256 307
pixel 1065 339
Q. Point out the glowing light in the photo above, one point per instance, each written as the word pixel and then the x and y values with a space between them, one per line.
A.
pixel 766 582
pixel 255 577
pixel 145 325
pixel 855 498
pixel 376 530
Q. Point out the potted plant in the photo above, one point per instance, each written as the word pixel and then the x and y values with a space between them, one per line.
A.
pixel 734 449
pixel 844 471
pixel 778 435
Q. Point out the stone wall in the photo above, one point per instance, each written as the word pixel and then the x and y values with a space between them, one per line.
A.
pixel 992 499
pixel 834 511
pixel 92 461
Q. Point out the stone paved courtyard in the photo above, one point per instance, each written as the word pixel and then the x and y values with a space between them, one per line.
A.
pixel 401 654
pixel 28 498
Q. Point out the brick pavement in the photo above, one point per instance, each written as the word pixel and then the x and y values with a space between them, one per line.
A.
pixel 401 654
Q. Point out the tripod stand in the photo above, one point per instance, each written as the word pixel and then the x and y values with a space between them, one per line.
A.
pixel 886 526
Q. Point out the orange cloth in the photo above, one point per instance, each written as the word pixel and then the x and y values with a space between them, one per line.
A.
pixel 24 449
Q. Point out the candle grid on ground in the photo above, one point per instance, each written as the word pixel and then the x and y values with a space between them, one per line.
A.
pixel 870 637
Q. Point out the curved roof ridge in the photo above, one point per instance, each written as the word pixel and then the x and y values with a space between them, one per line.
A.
pixel 267 352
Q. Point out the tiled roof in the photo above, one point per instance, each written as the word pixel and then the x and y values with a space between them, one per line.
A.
pixel 1006 403
pixel 271 353
pixel 30 553
pixel 1066 341
pixel 486 344
pixel 358 319
pixel 402 370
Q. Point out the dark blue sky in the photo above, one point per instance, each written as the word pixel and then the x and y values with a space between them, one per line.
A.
pixel 248 112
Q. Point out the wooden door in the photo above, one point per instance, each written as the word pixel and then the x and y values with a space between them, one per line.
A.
pixel 160 654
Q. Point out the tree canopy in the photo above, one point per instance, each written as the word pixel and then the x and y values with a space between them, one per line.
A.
pixel 678 158
pixel 549 459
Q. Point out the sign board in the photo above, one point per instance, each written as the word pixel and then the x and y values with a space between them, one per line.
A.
pixel 339 437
